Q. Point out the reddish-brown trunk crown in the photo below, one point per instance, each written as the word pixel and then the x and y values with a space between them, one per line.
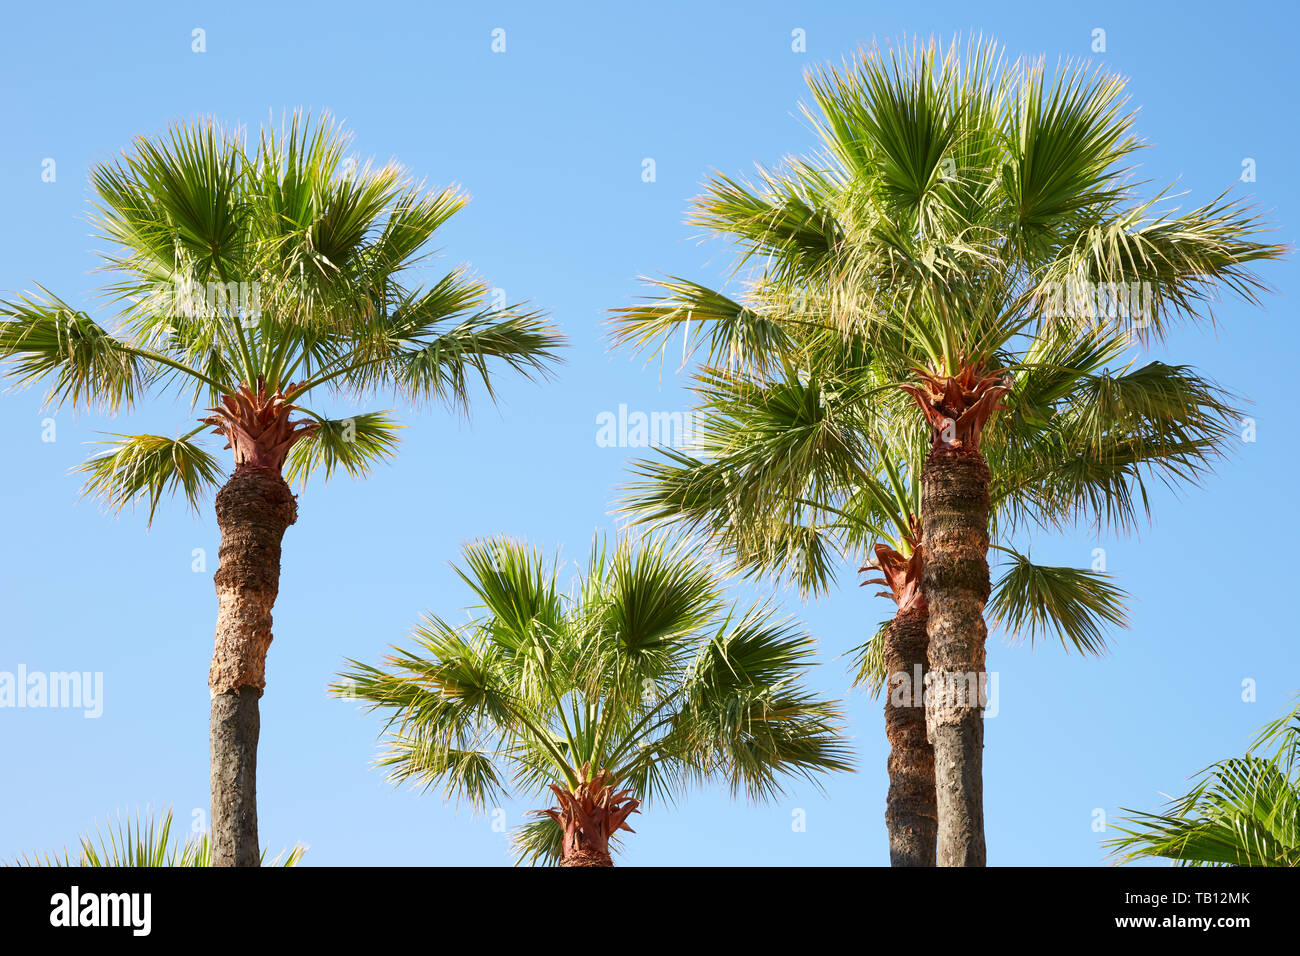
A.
pixel 256 426
pixel 902 575
pixel 957 407
pixel 589 815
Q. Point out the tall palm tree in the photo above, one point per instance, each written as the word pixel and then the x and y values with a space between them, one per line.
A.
pixel 251 278
pixel 962 213
pixel 1244 811
pixel 635 685
pixel 143 841
pixel 790 471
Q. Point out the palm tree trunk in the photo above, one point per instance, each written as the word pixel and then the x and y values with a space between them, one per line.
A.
pixel 911 816
pixel 587 858
pixel 253 510
pixel 954 518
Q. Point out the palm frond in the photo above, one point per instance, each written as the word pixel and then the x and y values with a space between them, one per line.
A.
pixel 538 842
pixel 869 662
pixel 732 333
pixel 46 339
pixel 1244 811
pixel 149 467
pixel 1038 600
pixel 355 444
pixel 465 775
pixel 441 367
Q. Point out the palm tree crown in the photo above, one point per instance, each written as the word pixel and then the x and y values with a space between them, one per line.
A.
pixel 635 685
pixel 796 464
pixel 253 278
pixel 971 235
pixel 250 278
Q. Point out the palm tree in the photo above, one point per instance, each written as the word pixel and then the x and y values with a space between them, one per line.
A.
pixel 144 841
pixel 962 212
pixel 790 471
pixel 252 278
pixel 635 685
pixel 746 439
pixel 1242 812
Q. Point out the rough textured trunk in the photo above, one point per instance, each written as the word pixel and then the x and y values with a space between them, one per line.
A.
pixel 911 816
pixel 955 584
pixel 955 511
pixel 910 813
pixel 253 510
pixel 587 858
pixel 589 815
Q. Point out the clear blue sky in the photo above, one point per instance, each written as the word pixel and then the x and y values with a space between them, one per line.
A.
pixel 549 138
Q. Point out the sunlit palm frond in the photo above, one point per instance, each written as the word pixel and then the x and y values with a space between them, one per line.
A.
pixel 1072 604
pixel 149 467
pixel 1158 267
pixel 537 842
pixel 732 334
pixel 868 660
pixel 355 444
pixel 44 338
pixel 464 775
pixel 442 366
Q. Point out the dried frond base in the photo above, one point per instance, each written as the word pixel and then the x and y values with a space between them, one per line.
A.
pixel 902 575
pixel 589 816
pixel 256 426
pixel 957 407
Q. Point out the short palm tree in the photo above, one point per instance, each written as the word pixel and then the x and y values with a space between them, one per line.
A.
pixel 144 841
pixel 791 471
pixel 964 210
pixel 634 686
pixel 1242 812
pixel 252 278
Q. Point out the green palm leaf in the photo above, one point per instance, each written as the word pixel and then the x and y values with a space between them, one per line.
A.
pixel 149 467
pixel 355 444
pixel 1244 811
pixel 1037 600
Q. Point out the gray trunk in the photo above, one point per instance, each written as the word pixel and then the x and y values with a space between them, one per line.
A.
pixel 233 733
